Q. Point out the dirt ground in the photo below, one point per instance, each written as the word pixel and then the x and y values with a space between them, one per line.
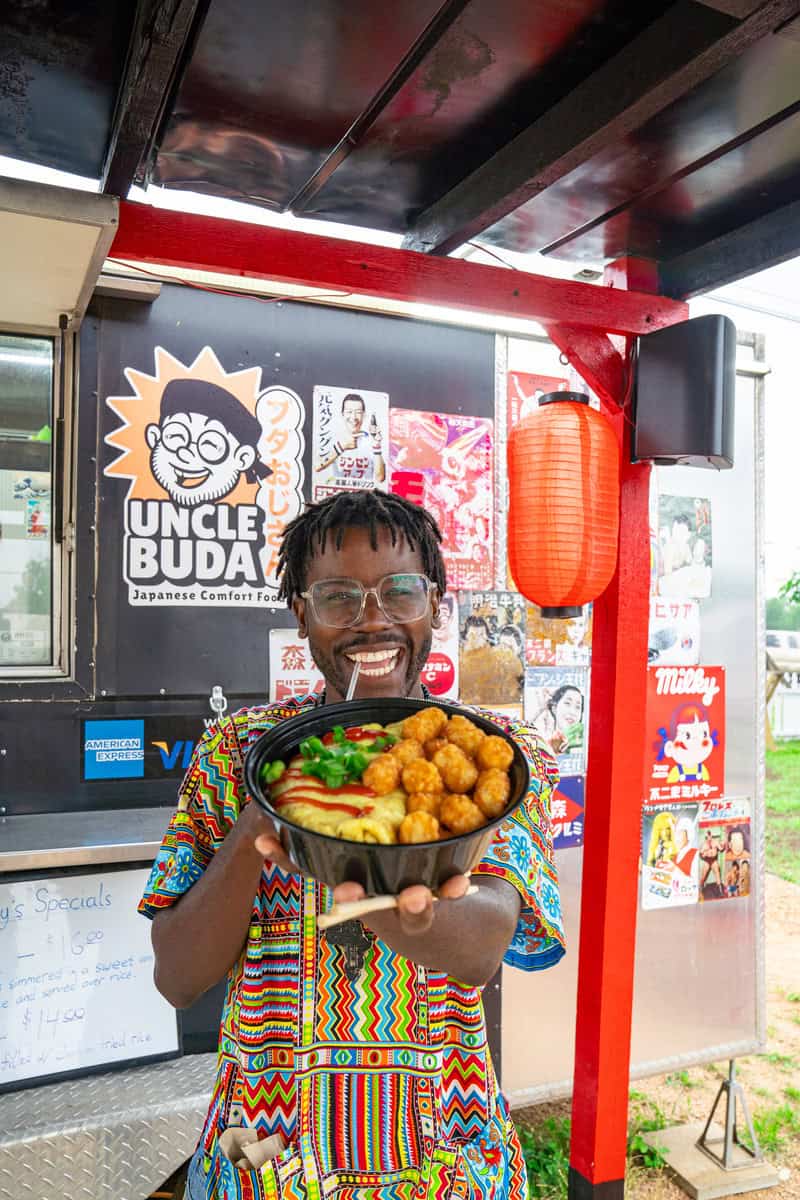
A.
pixel 688 1095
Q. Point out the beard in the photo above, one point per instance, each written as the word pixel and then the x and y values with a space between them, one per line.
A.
pixel 213 489
pixel 337 673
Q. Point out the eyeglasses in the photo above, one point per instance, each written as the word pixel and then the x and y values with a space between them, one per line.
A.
pixel 341 602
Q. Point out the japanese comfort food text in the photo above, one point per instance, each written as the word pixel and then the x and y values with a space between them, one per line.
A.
pixel 421 780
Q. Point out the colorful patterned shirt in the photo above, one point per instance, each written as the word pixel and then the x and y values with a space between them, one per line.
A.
pixel 379 1081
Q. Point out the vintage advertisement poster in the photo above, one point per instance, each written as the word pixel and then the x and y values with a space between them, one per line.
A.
pixel 292 670
pixel 492 659
pixel 557 705
pixel 725 845
pixel 684 546
pixel 566 810
pixel 685 758
pixel 524 391
pixel 674 634
pixel 214 470
pixel 445 462
pixel 670 861
pixel 350 439
pixel 551 643
pixel 440 673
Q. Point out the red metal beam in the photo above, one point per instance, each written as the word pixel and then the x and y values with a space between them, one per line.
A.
pixel 609 894
pixel 236 248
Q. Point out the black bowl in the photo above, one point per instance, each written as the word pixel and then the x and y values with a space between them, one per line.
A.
pixel 381 870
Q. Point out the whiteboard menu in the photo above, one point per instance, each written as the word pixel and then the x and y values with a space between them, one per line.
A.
pixel 76 977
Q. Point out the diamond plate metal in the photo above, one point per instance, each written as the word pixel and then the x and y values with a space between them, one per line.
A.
pixel 113 1135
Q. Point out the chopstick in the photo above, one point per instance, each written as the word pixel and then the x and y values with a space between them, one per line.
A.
pixel 351 687
pixel 351 909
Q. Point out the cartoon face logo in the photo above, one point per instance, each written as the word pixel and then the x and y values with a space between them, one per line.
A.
pixel 691 742
pixel 204 441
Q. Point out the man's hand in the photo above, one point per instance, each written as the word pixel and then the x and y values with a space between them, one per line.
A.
pixel 267 841
pixel 415 906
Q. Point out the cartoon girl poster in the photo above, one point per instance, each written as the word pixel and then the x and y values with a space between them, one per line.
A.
pixel 686 734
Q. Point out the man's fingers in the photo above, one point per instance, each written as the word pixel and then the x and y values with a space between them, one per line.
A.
pixel 269 847
pixel 346 893
pixel 415 910
pixel 454 888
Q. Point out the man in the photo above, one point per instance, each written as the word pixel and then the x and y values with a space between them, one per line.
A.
pixel 362 1059
pixel 358 454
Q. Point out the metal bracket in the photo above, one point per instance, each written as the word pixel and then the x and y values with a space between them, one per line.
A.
pixel 734 1094
pixel 218 704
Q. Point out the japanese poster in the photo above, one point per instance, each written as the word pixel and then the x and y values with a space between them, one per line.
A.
pixel 566 810
pixel 350 439
pixel 292 670
pixel 446 464
pixel 214 470
pixel 685 734
pixel 551 643
pixel 557 705
pixel 670 861
pixel 725 845
pixel 524 392
pixel 440 673
pixel 674 635
pixel 492 659
pixel 684 546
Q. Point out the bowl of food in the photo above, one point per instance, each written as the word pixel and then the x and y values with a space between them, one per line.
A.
pixel 386 793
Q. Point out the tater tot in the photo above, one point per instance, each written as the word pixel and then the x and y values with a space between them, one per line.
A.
pixel 492 791
pixel 422 776
pixel 423 802
pixel 460 814
pixel 462 733
pixel 494 752
pixel 382 775
pixel 418 827
pixel 437 743
pixel 425 724
pixel 406 751
pixel 458 772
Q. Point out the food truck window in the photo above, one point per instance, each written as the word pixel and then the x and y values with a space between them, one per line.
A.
pixel 27 575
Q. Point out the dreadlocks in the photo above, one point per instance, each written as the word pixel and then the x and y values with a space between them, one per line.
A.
pixel 368 509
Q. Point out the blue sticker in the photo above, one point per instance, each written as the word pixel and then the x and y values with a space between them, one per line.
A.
pixel 113 749
pixel 566 810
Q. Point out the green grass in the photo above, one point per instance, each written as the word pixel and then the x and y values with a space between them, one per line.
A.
pixel 783 811
pixel 774 1125
pixel 545 1146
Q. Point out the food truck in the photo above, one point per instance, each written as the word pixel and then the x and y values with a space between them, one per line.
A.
pixel 138 602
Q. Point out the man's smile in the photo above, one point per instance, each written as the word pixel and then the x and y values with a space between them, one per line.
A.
pixel 376 663
pixel 191 481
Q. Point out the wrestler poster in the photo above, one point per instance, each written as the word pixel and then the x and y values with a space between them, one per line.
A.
pixel 724 849
pixel 685 756
pixel 350 439
pixel 670 860
pixel 557 705
pixel 292 670
pixel 551 643
pixel 445 462
pixel 492 659
pixel 214 469
pixel 566 811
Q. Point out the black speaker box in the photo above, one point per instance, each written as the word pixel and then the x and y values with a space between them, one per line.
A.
pixel 684 394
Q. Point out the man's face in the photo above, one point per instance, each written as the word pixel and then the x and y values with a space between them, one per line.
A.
pixel 391 656
pixel 195 458
pixel 353 415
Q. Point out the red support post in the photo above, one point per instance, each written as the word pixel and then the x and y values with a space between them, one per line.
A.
pixel 609 895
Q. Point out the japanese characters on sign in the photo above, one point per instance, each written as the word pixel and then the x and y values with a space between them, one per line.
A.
pixel 444 462
pixel 557 705
pixel 566 812
pixel 292 670
pixel 685 757
pixel 724 849
pixel 440 673
pixel 674 635
pixel 552 643
pixel 350 440
pixel 214 470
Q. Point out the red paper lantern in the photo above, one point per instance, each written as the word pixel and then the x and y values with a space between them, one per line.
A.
pixel 563 514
